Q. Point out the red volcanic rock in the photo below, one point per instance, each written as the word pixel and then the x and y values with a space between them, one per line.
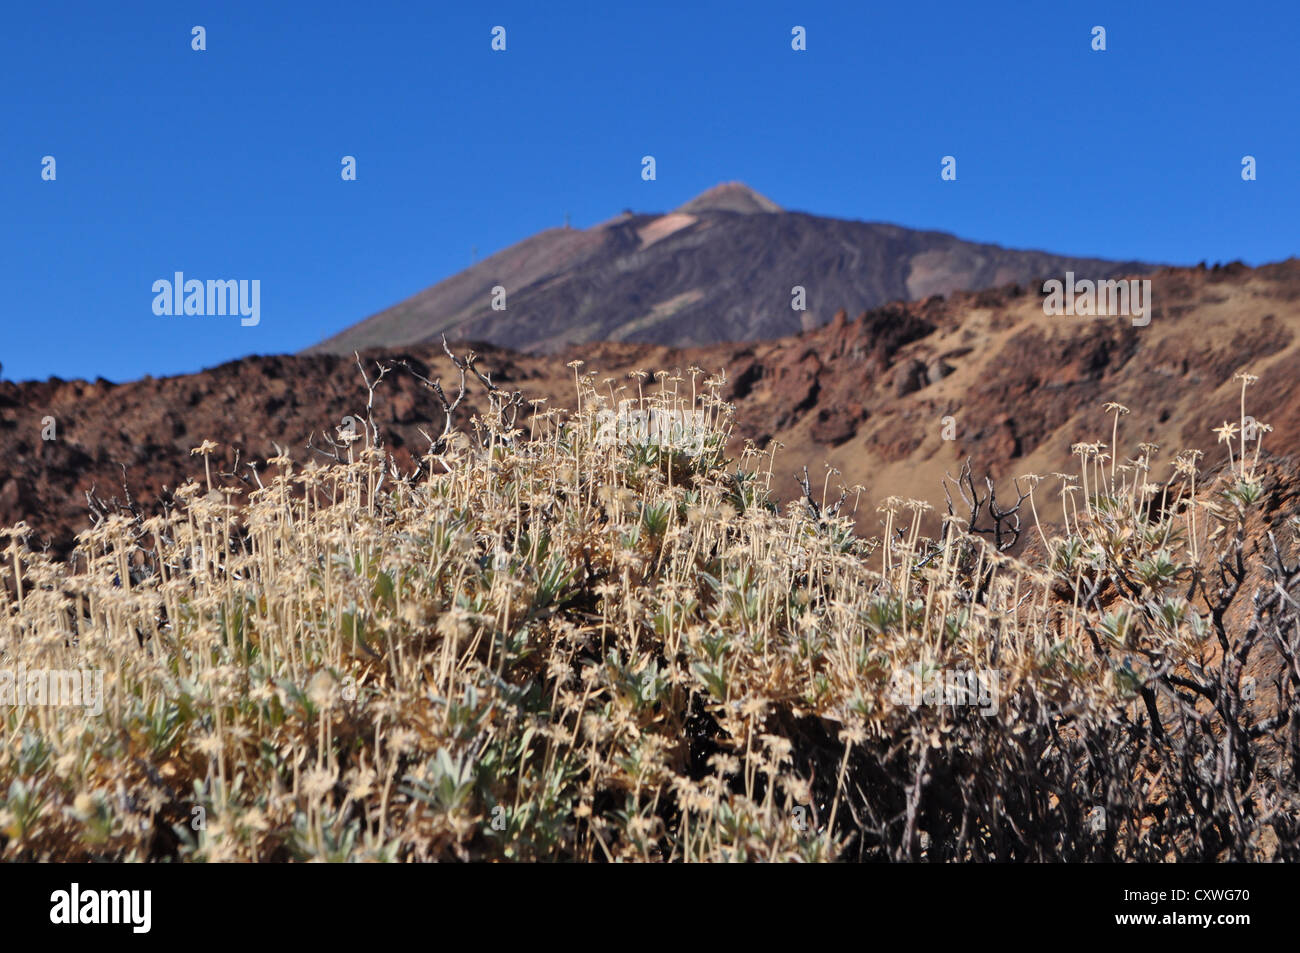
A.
pixel 834 425
pixel 868 396
pixel 9 495
pixel 402 407
pixel 909 377
pixel 937 370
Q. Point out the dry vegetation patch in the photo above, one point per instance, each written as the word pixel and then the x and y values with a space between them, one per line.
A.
pixel 601 640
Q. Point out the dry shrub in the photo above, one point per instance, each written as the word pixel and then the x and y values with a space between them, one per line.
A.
pixel 593 641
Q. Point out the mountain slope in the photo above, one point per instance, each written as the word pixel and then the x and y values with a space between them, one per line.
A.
pixel 722 267
pixel 868 397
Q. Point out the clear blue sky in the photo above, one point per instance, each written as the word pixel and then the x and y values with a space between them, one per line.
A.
pixel 225 163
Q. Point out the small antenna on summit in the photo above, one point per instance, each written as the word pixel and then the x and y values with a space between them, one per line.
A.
pixel 566 219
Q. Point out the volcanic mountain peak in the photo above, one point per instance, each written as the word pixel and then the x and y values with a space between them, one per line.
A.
pixel 722 267
pixel 730 197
